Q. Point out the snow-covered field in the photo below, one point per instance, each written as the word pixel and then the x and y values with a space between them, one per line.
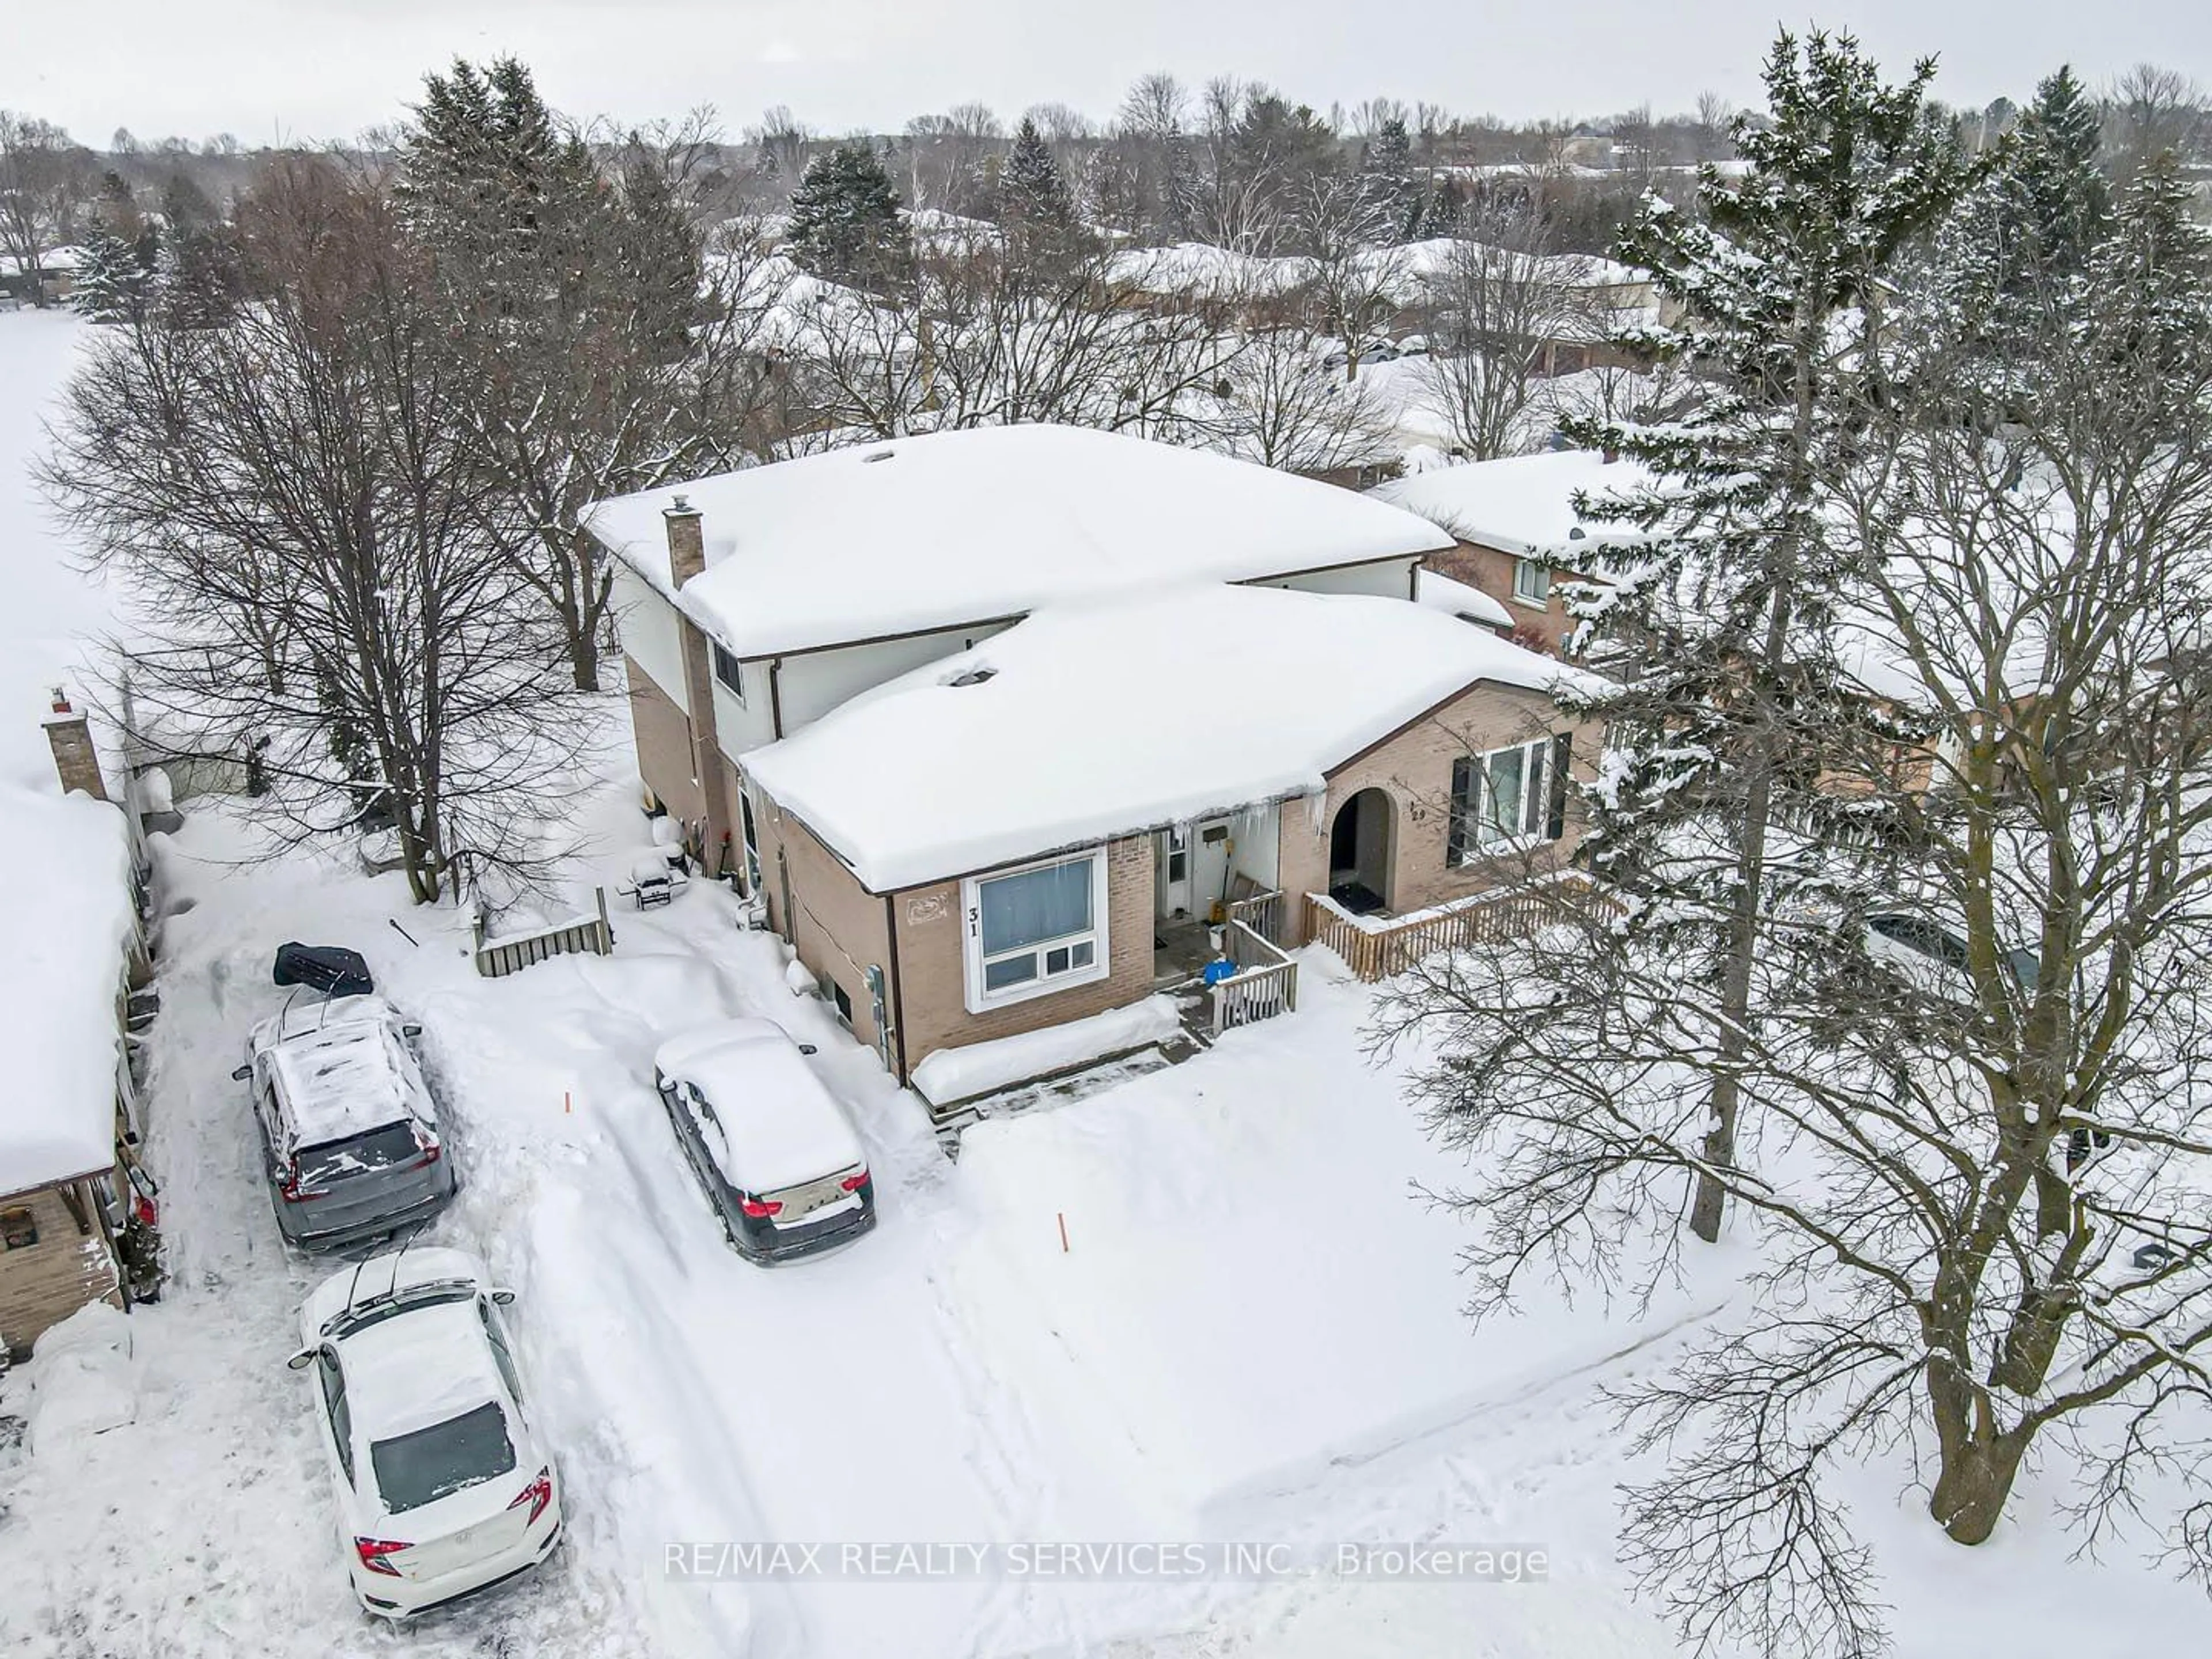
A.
pixel 1252 1334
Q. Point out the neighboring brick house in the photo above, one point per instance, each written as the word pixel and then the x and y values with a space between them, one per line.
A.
pixel 65 1118
pixel 1517 531
pixel 1006 841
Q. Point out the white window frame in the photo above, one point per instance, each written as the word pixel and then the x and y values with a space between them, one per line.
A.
pixel 979 997
pixel 1488 839
pixel 1532 584
pixel 734 681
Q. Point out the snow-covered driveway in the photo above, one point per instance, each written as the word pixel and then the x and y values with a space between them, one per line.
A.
pixel 693 1397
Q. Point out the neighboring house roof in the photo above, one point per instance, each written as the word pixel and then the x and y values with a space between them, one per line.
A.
pixel 1116 717
pixel 1433 587
pixel 1524 504
pixel 911 534
pixel 71 920
pixel 1200 268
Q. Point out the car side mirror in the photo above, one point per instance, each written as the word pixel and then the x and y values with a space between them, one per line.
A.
pixel 410 1031
pixel 808 1048
pixel 503 1296
pixel 241 1073
pixel 301 1360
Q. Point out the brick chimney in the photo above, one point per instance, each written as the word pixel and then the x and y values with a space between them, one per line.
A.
pixel 687 557
pixel 687 545
pixel 75 761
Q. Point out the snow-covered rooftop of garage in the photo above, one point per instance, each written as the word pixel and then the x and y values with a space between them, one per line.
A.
pixel 912 534
pixel 1523 504
pixel 1109 718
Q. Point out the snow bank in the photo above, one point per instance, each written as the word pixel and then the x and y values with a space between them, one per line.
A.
pixel 1085 722
pixel 979 1068
pixel 919 533
pixel 1433 587
pixel 83 1378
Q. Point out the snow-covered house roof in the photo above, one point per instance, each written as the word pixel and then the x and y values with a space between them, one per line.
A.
pixel 1435 589
pixel 911 534
pixel 66 862
pixel 1203 269
pixel 1088 721
pixel 1523 504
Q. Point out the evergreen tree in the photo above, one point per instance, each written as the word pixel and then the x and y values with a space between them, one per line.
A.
pixel 118 259
pixel 2068 202
pixel 1780 282
pixel 1390 184
pixel 1032 193
pixel 845 224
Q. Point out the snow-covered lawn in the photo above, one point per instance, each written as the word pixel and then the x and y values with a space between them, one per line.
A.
pixel 1252 1334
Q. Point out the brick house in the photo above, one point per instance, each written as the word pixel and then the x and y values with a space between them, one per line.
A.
pixel 780 615
pixel 1517 531
pixel 754 602
pixel 1032 832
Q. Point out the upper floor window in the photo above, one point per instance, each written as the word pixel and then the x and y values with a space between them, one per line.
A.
pixel 1532 582
pixel 729 671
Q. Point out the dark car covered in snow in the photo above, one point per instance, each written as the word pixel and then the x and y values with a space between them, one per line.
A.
pixel 347 1125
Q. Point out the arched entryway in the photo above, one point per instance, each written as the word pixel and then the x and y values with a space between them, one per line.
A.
pixel 1360 852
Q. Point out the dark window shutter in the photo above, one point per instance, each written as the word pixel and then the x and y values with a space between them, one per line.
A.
pixel 1459 838
pixel 1563 751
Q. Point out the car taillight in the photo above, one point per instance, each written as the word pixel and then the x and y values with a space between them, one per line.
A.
pixel 760 1208
pixel 853 1183
pixel 290 1191
pixel 538 1494
pixel 372 1552
pixel 429 1156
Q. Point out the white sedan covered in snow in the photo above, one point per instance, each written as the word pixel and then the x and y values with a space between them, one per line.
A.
pixel 443 1489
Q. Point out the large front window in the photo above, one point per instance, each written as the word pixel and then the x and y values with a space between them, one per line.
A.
pixel 1035 930
pixel 1508 798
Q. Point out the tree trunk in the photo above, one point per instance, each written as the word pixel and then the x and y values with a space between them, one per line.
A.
pixel 1972 1484
pixel 584 624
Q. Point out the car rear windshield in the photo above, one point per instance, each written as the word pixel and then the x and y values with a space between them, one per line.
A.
pixel 419 1469
pixel 360 1155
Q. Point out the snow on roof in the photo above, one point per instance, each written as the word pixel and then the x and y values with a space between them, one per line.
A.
pixel 912 534
pixel 1117 716
pixel 66 860
pixel 1202 269
pixel 427 1365
pixel 776 1124
pixel 341 1068
pixel 1523 504
pixel 1433 587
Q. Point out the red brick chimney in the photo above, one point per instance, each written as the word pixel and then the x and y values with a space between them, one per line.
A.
pixel 687 545
pixel 687 557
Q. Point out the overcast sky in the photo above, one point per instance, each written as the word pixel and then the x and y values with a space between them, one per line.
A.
pixel 315 69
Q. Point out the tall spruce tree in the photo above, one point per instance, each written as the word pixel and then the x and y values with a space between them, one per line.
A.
pixel 1032 191
pixel 1390 184
pixel 1725 611
pixel 845 224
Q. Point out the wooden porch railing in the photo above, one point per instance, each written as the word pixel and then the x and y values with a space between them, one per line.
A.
pixel 1376 947
pixel 1262 913
pixel 1265 984
pixel 581 935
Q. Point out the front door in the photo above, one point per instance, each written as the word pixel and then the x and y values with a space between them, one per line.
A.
pixel 1210 847
pixel 1171 872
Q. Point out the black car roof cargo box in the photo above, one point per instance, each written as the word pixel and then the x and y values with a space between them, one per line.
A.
pixel 330 969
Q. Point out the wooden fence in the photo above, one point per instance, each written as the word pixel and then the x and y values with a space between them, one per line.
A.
pixel 582 935
pixel 1263 914
pixel 1266 982
pixel 1375 948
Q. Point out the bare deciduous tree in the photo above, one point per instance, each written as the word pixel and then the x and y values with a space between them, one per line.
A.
pixel 46 180
pixel 292 492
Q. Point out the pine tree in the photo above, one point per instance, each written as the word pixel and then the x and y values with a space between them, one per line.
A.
pixel 1032 193
pixel 1780 282
pixel 120 254
pixel 2068 201
pixel 1391 186
pixel 845 224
